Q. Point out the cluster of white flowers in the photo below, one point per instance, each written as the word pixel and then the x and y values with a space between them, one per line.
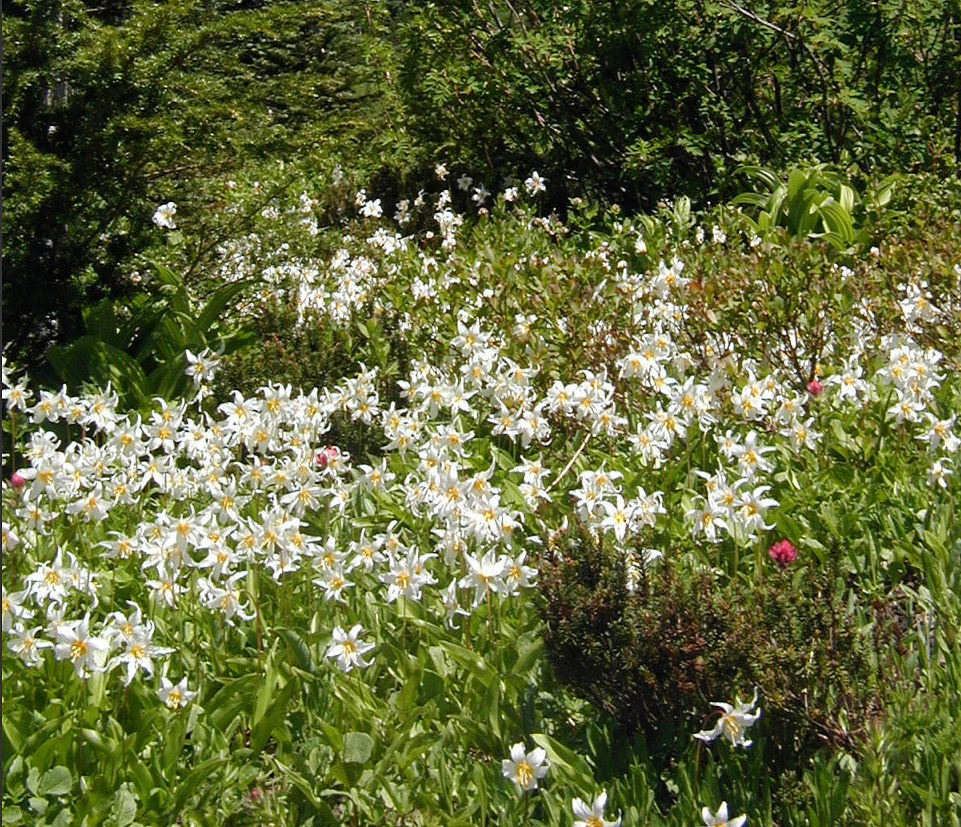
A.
pixel 214 498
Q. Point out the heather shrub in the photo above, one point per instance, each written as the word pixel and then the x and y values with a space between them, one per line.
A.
pixel 654 649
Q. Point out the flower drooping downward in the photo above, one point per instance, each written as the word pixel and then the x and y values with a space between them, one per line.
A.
pixel 525 769
pixel 733 723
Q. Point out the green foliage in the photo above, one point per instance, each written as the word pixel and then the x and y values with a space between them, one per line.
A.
pixel 814 202
pixel 138 346
pixel 111 110
pixel 680 640
pixel 636 100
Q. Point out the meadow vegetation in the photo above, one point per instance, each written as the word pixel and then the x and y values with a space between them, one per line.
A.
pixel 394 436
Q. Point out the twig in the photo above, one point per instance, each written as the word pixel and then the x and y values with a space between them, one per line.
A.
pixel 573 459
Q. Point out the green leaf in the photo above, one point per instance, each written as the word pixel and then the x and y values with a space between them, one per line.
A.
pixel 216 305
pixel 272 717
pixel 846 199
pixel 299 649
pixel 55 781
pixel 837 220
pixel 231 699
pixel 191 783
pixel 124 806
pixel 528 655
pixel 566 761
pixel 307 790
pixel 358 747
pixel 11 815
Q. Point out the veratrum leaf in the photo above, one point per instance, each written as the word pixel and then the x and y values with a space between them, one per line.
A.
pixel 358 747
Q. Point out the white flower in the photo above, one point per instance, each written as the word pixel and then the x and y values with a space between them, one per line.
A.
pixel 535 184
pixel 733 724
pixel 592 816
pixel 939 472
pixel 452 607
pixel 202 366
pixel 13 608
pixel 485 574
pixel 720 818
pixel 525 769
pixel 164 216
pixel 26 644
pixel 348 649
pixel 372 209
pixel 138 655
pixel 176 696
pixel 86 651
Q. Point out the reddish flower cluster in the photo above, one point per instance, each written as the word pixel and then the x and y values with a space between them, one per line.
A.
pixel 324 457
pixel 783 553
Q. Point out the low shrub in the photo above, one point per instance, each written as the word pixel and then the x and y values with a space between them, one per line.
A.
pixel 655 655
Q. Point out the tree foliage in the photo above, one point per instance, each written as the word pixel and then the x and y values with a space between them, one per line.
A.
pixel 109 111
pixel 635 99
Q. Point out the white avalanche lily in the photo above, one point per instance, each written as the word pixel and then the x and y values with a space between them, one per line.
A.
pixel 720 818
pixel 733 723
pixel 593 816
pixel 348 649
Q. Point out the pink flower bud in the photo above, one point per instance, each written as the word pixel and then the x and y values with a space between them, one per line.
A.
pixel 17 481
pixel 814 387
pixel 782 553
pixel 325 457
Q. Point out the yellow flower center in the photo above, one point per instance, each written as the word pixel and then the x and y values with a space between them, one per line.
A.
pixel 77 650
pixel 524 774
pixel 731 728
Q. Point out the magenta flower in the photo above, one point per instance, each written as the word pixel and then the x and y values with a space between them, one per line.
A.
pixel 814 387
pixel 782 553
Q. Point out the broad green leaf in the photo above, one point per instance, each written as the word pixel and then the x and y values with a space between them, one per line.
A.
pixel 55 781
pixel 358 747
pixel 272 716
pixel 566 761
pixel 216 304
pixel 191 783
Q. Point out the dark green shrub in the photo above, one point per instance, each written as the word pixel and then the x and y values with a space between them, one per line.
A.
pixel 655 658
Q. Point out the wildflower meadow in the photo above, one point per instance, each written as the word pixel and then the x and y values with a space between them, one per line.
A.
pixel 461 497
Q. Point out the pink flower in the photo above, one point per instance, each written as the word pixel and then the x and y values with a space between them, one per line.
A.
pixel 782 553
pixel 324 457
pixel 814 387
pixel 17 481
